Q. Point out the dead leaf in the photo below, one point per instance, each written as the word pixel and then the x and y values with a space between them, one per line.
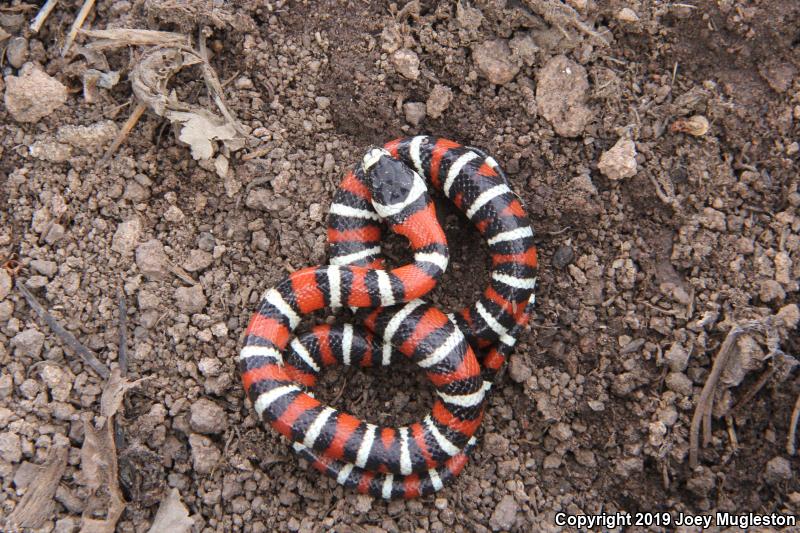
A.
pixel 119 37
pixel 99 475
pixel 114 391
pixel 195 126
pixel 172 515
pixel 37 504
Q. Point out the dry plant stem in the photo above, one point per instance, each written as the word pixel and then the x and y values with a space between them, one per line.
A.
pixel 42 15
pixel 750 394
pixel 126 129
pixel 84 353
pixel 705 403
pixel 214 86
pixel 119 37
pixel 123 338
pixel 79 20
pixel 791 449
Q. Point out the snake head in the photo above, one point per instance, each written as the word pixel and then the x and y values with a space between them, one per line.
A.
pixel 394 186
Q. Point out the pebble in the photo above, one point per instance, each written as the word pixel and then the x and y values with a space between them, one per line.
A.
pixel 28 343
pixel 58 381
pixel 52 151
pixel 190 300
pixel 48 268
pixel 563 256
pixel 207 417
pixel 495 61
pixel 505 514
pixel 17 51
pixel 702 483
pixel 679 382
pixel 243 83
pixel 126 236
pixel 363 503
pixel 468 17
pixel 65 525
pixel 91 138
pixel 414 112
pixel 561 94
pixel 205 454
pixel 55 234
pixel 136 192
pixel 10 447
pixel 627 14
pixel 560 431
pixel 174 214
pixel 518 369
pixel 323 102
pixel 6 385
pixel 438 101
pixel 771 290
pixel 152 260
pixel 496 444
pixel 778 469
pixel 789 315
pixel 585 458
pixel 5 284
pixel 209 366
pixel 406 62
pixel 677 357
pixel 198 260
pixel 627 466
pixel 33 94
pixel 713 219
pixel 619 161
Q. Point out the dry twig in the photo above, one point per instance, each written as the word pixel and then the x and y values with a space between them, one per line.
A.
pixel 76 25
pixel 791 449
pixel 42 15
pixel 68 338
pixel 126 129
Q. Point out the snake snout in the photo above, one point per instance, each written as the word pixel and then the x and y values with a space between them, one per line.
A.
pixel 393 185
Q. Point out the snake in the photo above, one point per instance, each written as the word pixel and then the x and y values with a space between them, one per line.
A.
pixel 459 352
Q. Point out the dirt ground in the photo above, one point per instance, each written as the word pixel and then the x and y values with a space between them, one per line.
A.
pixel 654 144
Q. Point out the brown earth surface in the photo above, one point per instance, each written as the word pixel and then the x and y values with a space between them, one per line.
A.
pixel 649 258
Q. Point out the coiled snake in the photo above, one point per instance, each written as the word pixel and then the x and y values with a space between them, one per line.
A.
pixel 459 352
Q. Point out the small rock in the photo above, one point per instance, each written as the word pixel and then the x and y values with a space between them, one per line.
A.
pixel 243 83
pixel 323 102
pixel 585 458
pixel 127 235
pixel 679 382
pixel 788 314
pixel 561 96
pixel 58 381
pixel 5 284
pixel 52 151
pixel 494 60
pixel 627 14
pixel 391 38
pixel 702 483
pixel 406 62
pixel 207 417
pixel 505 514
pixel 551 461
pixel 771 290
pixel 316 212
pixel 778 469
pixel 190 300
pixel 209 366
pixel 198 260
pixel 17 51
pixel 174 214
pixel 524 47
pixel 713 219
pixel 561 431
pixel 677 357
pixel 10 447
pixel 363 503
pixel 624 384
pixel 28 343
pixel 33 94
pixel 619 161
pixel 468 17
pixel 6 385
pixel 518 369
pixel 65 525
pixel 438 100
pixel 628 466
pixel 135 192
pixel 48 268
pixel 91 138
pixel 152 260
pixel 496 443
pixel 205 455
pixel 563 256
pixel 55 234
pixel 414 112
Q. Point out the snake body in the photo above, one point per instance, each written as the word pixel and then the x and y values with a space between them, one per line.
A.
pixel 458 352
